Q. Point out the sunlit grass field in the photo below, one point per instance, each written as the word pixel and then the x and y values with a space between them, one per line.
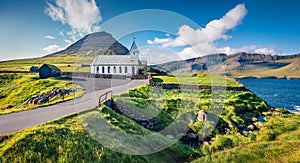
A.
pixel 68 140
pixel 277 141
pixel 74 138
pixel 17 89
pixel 200 79
pixel 66 63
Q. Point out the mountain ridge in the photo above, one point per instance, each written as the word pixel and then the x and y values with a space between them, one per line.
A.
pixel 95 44
pixel 240 61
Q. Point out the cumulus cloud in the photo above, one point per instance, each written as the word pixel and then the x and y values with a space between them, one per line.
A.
pixel 52 48
pixel 199 41
pixel 217 29
pixel 82 16
pixel 157 55
pixel 49 37
pixel 248 49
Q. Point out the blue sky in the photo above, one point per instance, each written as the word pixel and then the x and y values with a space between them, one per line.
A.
pixel 271 26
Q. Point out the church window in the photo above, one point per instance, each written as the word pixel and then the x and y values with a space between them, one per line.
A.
pixel 120 69
pixel 108 69
pixel 125 69
pixel 115 69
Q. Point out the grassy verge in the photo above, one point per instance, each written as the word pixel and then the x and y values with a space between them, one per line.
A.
pixel 17 89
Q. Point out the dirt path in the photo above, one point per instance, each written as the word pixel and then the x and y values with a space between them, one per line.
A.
pixel 94 88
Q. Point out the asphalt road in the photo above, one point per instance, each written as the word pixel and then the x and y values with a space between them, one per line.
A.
pixel 93 89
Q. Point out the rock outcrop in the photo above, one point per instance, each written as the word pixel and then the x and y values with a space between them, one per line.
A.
pixel 49 96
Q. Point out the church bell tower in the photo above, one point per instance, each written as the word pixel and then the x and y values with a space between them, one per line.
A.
pixel 134 52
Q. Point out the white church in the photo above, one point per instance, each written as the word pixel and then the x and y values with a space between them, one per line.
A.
pixel 125 65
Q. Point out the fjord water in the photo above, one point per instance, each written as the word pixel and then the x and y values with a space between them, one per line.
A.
pixel 279 93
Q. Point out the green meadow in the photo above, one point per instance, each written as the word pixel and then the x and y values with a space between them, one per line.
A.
pixel 278 140
pixel 17 89
pixel 66 63
pixel 74 138
pixel 90 136
pixel 67 140
pixel 199 79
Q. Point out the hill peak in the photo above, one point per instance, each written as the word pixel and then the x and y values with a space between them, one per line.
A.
pixel 98 43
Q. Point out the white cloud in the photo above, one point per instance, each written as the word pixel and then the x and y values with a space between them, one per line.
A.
pixel 199 41
pixel 52 48
pixel 217 29
pixel 49 37
pixel 159 41
pixel 68 42
pixel 82 16
pixel 248 49
pixel 157 55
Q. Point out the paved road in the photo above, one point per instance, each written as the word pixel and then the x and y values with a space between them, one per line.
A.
pixel 94 88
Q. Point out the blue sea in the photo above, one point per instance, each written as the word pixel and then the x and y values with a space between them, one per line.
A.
pixel 279 93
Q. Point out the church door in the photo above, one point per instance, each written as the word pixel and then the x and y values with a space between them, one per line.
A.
pixel 133 70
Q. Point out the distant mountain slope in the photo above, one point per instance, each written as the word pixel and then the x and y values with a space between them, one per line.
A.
pixel 237 62
pixel 95 44
pixel 294 66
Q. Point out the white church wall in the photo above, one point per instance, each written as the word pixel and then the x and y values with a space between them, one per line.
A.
pixel 99 70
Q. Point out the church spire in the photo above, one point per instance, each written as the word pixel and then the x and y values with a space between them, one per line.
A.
pixel 134 52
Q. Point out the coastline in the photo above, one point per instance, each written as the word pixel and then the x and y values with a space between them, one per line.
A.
pixel 265 77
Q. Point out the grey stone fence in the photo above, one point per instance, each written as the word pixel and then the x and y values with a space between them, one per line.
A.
pixel 139 77
pixel 89 75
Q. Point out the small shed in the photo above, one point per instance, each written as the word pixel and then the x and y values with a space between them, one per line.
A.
pixel 47 70
pixel 34 69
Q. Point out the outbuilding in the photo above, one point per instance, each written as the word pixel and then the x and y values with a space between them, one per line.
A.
pixel 34 69
pixel 47 70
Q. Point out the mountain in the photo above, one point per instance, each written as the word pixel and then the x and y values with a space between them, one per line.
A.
pixel 236 62
pixel 95 44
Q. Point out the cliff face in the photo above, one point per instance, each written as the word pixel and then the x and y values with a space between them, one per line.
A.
pixel 238 61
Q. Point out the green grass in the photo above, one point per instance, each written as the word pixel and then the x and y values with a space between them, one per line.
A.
pixel 68 140
pixel 277 141
pixel 74 138
pixel 66 63
pixel 258 152
pixel 200 79
pixel 235 107
pixel 17 89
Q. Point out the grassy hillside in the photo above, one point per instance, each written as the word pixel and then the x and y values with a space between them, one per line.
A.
pixel 277 141
pixel 73 138
pixel 17 89
pixel 291 70
pixel 168 105
pixel 67 63
pixel 66 140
